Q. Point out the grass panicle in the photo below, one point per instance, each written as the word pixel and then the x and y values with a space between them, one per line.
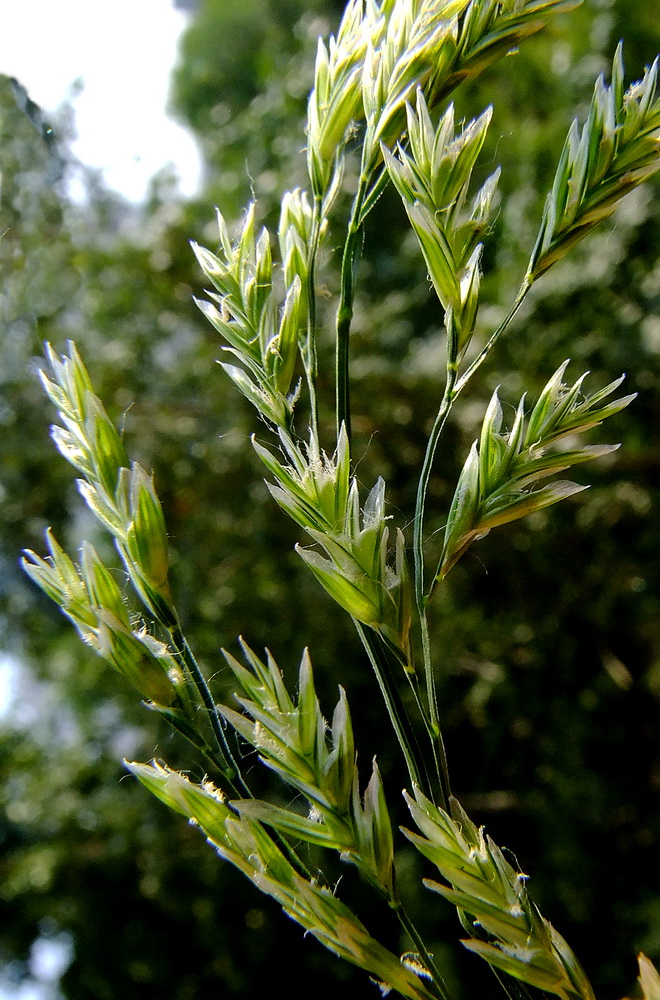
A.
pixel 499 481
pixel 378 84
pixel 617 149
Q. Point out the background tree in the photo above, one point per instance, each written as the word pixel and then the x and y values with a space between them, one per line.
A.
pixel 550 684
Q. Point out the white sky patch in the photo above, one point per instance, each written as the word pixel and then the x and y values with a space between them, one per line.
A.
pixel 50 957
pixel 123 53
pixel 8 669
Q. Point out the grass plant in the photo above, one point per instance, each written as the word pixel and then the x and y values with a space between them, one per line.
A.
pixel 381 97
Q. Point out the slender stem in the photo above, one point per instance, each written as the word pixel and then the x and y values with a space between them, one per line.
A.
pixel 453 387
pixel 437 741
pixel 309 354
pixel 430 721
pixel 439 986
pixel 345 309
pixel 195 740
pixel 400 722
pixel 231 771
pixel 422 487
pixel 481 357
pixel 439 754
pixel 374 194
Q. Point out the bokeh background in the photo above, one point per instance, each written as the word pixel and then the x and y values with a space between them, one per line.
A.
pixel 547 638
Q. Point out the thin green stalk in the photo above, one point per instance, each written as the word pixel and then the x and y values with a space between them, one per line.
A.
pixel 195 740
pixel 310 354
pixel 481 357
pixel 345 309
pixel 437 983
pixel 422 486
pixel 230 770
pixel 400 722
pixel 374 194
pixel 432 728
pixel 437 741
pixel 418 550
pixel 453 387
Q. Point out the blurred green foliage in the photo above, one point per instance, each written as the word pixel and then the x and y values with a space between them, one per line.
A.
pixel 548 636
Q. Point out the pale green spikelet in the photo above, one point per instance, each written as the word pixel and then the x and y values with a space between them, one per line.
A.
pixel 320 911
pixel 618 149
pixel 487 31
pixel 119 493
pixel 295 236
pixel 93 602
pixel 335 102
pixel 408 53
pixel 295 741
pixel 243 842
pixel 433 178
pixel 499 480
pixel 88 440
pixel 261 333
pixel 492 898
pixel 357 568
pixel 146 549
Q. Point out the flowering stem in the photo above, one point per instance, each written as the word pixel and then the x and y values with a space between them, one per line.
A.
pixel 196 740
pixel 422 486
pixel 437 983
pixel 230 770
pixel 421 600
pixel 396 711
pixel 453 387
pixel 309 354
pixel 345 309
pixel 437 742
pixel 481 357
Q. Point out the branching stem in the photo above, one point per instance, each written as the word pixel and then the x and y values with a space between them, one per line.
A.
pixel 230 771
pixel 453 386
pixel 196 740
pixel 400 722
pixel 502 328
pixel 418 550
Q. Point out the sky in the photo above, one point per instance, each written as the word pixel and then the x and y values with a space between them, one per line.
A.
pixel 122 52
